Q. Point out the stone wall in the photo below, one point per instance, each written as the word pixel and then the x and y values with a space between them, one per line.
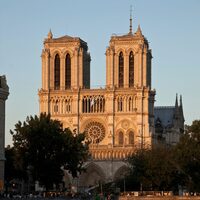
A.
pixel 159 197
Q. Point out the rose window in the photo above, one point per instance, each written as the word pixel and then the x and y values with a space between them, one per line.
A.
pixel 95 132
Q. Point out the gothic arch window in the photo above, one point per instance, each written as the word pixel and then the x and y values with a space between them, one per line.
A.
pixel 130 104
pixel 93 104
pixel 56 107
pixel 68 105
pixel 121 70
pixel 121 138
pixel 131 137
pixel 84 105
pixel 57 72
pixel 67 71
pixel 120 104
pixel 131 69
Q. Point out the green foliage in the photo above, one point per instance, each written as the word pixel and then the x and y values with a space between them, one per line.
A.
pixel 153 169
pixel 76 151
pixel 187 153
pixel 10 170
pixel 44 147
pixel 162 168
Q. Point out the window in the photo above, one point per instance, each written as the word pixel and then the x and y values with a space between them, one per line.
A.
pixel 120 104
pixel 56 107
pixel 121 70
pixel 57 72
pixel 121 138
pixel 67 71
pixel 131 69
pixel 130 104
pixel 93 104
pixel 131 137
pixel 68 106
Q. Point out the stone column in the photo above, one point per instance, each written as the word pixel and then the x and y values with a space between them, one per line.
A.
pixel 140 66
pixel 108 68
pixel 145 68
pixel 116 70
pixel 75 69
pixel 4 92
pixel 43 57
pixel 51 76
pixel 80 68
pixel 45 69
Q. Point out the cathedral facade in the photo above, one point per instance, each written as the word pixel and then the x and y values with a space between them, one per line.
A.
pixel 116 119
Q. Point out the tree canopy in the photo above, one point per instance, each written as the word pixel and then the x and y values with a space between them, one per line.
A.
pixel 43 147
pixel 169 168
pixel 153 169
pixel 187 154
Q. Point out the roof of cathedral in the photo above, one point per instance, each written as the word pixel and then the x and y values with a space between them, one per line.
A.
pixel 63 39
pixel 131 36
pixel 67 38
pixel 165 114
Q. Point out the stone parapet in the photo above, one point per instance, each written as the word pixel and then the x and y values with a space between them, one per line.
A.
pixel 130 197
pixel 104 152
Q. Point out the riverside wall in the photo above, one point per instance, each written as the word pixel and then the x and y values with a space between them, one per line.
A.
pixel 131 197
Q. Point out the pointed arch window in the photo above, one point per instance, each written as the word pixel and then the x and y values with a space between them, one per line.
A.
pixel 131 137
pixel 67 71
pixel 57 72
pixel 121 138
pixel 56 107
pixel 130 104
pixel 120 104
pixel 121 70
pixel 131 69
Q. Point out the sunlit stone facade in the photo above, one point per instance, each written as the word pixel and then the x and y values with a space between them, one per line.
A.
pixel 116 119
pixel 4 92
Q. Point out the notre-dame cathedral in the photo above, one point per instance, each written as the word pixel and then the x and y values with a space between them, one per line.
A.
pixel 117 119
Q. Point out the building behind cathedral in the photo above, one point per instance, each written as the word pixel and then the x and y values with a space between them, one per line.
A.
pixel 116 119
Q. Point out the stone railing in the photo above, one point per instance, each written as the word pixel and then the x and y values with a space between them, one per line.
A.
pixel 106 152
pixel 153 197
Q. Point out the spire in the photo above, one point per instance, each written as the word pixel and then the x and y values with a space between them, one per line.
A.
pixel 50 35
pixel 130 29
pixel 181 109
pixel 139 31
pixel 181 101
pixel 176 111
pixel 176 102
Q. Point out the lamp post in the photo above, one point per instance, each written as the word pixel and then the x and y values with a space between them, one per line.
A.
pixel 124 184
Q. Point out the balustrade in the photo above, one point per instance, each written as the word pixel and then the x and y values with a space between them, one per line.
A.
pixel 104 152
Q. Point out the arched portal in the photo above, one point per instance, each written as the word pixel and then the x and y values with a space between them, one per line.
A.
pixel 93 176
pixel 121 172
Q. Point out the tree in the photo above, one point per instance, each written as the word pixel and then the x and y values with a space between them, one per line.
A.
pixel 162 168
pixel 187 153
pixel 138 165
pixel 10 171
pixel 154 169
pixel 43 146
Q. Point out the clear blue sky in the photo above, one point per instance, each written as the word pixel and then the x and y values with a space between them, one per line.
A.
pixel 172 28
